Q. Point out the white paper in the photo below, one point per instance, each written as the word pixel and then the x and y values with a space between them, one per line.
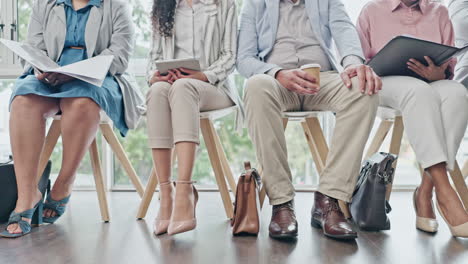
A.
pixel 92 71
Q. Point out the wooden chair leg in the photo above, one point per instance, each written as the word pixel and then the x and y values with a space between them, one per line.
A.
pixel 148 195
pixel 99 180
pixel 460 184
pixel 210 142
pixel 114 143
pixel 317 141
pixel 395 145
pixel 49 145
pixel 313 148
pixel 260 171
pixel 379 137
pixel 225 164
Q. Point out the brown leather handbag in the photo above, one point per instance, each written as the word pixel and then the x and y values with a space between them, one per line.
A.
pixel 246 220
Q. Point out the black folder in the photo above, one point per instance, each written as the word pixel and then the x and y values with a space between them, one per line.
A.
pixel 393 58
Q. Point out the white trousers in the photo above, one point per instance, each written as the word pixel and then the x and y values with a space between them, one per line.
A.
pixel 435 116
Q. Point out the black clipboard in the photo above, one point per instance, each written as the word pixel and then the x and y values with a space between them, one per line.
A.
pixel 392 59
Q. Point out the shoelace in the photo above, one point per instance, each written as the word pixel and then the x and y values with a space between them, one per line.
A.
pixel 333 207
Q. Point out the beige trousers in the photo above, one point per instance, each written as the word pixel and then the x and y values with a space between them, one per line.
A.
pixel 435 116
pixel 265 100
pixel 173 111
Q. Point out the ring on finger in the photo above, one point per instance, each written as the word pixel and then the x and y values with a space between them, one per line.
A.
pixel 47 80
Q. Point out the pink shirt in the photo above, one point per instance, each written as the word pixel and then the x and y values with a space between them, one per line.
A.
pixel 382 20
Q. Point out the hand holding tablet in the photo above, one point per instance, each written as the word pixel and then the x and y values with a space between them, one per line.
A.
pixel 190 64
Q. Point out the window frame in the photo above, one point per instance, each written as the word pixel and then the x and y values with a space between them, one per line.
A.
pixel 9 18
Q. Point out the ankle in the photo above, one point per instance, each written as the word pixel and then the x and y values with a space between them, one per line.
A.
pixel 61 190
pixel 27 202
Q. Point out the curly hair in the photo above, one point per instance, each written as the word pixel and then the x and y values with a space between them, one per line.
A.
pixel 162 16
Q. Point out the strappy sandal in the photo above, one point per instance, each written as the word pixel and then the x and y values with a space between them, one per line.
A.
pixel 35 214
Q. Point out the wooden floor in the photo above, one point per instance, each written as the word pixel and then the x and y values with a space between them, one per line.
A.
pixel 80 237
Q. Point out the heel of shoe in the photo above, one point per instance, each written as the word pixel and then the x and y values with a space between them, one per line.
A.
pixel 457 231
pixel 316 224
pixel 428 225
pixel 37 217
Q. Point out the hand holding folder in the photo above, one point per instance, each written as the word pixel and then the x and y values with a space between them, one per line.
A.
pixel 393 58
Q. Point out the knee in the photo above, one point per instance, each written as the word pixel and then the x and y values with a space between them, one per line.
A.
pixel 22 103
pixel 183 87
pixel 455 96
pixel 157 90
pixel 31 105
pixel 367 102
pixel 80 108
pixel 420 92
pixel 257 88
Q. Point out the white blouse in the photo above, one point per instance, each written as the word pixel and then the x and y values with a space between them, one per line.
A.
pixel 188 30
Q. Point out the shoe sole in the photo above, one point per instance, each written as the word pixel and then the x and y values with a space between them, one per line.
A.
pixel 316 224
pixel 284 237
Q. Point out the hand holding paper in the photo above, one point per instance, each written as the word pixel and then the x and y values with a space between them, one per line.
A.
pixel 93 70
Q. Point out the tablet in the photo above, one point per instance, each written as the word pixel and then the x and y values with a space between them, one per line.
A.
pixel 191 64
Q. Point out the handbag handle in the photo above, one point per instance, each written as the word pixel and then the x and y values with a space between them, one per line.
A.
pixel 247 166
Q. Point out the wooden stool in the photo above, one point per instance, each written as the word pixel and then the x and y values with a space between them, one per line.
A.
pixel 391 117
pixel 317 144
pixel 218 161
pixel 110 137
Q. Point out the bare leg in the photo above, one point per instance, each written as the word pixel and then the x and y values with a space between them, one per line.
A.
pixel 162 163
pixel 80 121
pixel 184 198
pixel 446 195
pixel 424 197
pixel 27 132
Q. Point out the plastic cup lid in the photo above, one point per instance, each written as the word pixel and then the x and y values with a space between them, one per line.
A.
pixel 313 65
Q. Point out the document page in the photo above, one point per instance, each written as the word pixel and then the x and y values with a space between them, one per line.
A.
pixel 93 70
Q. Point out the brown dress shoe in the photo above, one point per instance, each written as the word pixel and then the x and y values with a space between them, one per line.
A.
pixel 327 215
pixel 283 223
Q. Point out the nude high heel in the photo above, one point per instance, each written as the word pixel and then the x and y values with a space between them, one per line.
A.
pixel 425 224
pixel 457 231
pixel 161 225
pixel 176 227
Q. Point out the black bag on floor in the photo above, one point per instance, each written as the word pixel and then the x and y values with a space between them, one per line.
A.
pixel 9 191
pixel 369 206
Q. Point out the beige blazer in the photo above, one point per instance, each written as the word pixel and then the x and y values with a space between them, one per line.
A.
pixel 220 36
pixel 109 31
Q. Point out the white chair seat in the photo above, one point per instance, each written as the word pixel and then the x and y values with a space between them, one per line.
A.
pixel 104 118
pixel 387 113
pixel 216 114
pixel 300 116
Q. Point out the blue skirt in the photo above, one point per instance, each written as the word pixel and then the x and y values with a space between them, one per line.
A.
pixel 108 97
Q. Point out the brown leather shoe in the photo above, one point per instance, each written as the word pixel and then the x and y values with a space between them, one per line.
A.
pixel 327 215
pixel 283 223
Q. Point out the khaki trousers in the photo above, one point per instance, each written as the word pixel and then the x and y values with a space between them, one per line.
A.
pixel 435 116
pixel 265 100
pixel 173 111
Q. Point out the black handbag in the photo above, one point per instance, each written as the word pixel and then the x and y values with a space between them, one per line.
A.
pixel 369 206
pixel 9 191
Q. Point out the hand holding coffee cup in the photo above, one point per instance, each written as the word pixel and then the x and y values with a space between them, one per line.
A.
pixel 313 70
